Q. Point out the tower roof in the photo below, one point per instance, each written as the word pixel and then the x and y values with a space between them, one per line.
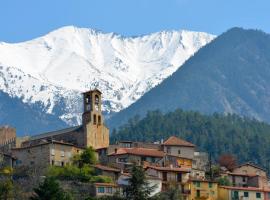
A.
pixel 94 90
pixel 175 141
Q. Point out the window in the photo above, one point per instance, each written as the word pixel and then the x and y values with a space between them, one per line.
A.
pixel 109 190
pixel 164 176
pixel 210 185
pixel 179 177
pixel 235 194
pixel 258 195
pixel 168 149
pixel 52 152
pixel 95 119
pixel 32 162
pixel 245 194
pixel 101 190
pixel 179 151
pixel 198 193
pixel 244 179
pixel 63 153
pixel 96 99
pixel 99 120
pixel 198 184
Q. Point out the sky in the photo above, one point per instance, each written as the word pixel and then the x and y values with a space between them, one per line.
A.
pixel 22 20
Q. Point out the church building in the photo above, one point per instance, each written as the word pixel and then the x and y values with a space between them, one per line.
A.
pixel 92 132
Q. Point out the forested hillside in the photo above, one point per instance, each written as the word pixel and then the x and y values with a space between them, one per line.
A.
pixel 248 139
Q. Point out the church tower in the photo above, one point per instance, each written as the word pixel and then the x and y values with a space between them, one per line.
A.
pixel 96 134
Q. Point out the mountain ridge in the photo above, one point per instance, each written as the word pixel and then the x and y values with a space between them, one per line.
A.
pixel 229 75
pixel 71 60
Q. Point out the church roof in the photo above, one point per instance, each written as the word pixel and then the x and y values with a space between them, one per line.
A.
pixel 54 133
pixel 175 141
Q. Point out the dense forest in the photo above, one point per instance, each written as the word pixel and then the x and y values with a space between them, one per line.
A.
pixel 247 139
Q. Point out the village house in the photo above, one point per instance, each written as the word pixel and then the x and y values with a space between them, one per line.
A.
pixel 248 175
pixel 239 193
pixel 45 153
pixel 105 189
pixel 153 181
pixel 169 175
pixel 125 157
pixel 201 189
pixel 177 147
pixel 6 160
pixel 114 173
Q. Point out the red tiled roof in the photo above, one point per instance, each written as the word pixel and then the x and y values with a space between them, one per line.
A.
pixel 175 141
pixel 139 152
pixel 106 168
pixel 170 169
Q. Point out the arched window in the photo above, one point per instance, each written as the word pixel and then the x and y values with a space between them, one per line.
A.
pixel 96 99
pixel 99 120
pixel 95 119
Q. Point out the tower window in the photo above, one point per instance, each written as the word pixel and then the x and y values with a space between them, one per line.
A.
pixel 95 119
pixel 96 99
pixel 99 120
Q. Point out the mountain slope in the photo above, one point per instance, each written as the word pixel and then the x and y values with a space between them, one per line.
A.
pixel 55 68
pixel 28 118
pixel 229 75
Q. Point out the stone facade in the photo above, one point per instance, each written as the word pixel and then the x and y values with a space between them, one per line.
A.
pixel 7 138
pixel 45 154
pixel 96 133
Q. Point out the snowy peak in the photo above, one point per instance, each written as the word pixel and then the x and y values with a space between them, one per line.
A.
pixel 78 59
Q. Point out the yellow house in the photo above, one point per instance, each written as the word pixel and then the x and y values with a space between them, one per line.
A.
pixel 201 190
pixel 245 193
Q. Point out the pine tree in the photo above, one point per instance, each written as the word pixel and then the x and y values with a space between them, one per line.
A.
pixel 139 188
pixel 50 190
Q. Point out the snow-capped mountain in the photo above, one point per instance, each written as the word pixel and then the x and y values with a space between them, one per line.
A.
pixel 54 69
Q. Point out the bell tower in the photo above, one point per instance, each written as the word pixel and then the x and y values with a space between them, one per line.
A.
pixel 96 133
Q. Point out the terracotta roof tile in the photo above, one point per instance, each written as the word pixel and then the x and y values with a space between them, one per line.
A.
pixel 106 168
pixel 139 152
pixel 175 141
pixel 171 169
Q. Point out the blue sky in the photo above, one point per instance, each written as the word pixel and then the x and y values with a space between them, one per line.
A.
pixel 22 20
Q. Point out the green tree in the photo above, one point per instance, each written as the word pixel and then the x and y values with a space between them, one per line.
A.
pixel 88 156
pixel 50 190
pixel 138 188
pixel 224 181
pixel 6 188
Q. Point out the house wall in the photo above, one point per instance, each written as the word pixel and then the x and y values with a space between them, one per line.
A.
pixel 248 169
pixel 206 192
pixel 223 194
pixel 62 154
pixel 44 155
pixel 251 194
pixel 38 156
pixel 181 151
